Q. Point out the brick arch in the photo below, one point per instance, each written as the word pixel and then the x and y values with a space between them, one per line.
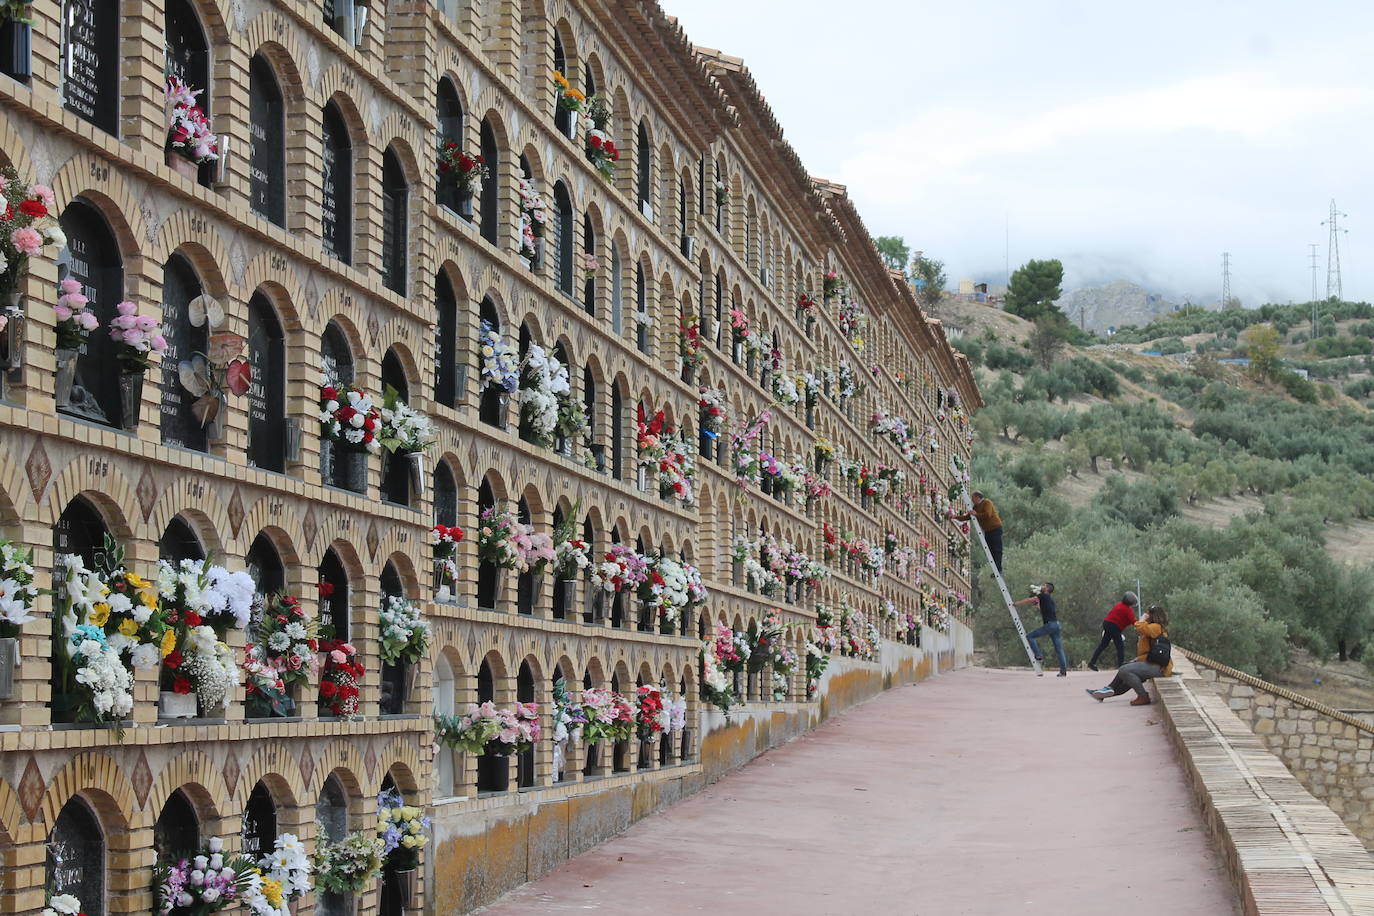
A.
pixel 195 770
pixel 354 568
pixel 275 764
pixel 204 251
pixel 276 37
pixel 395 554
pixel 527 146
pixel 114 198
pixel 342 758
pixel 14 150
pixel 403 352
pixel 15 492
pixel 404 139
pixel 97 777
pixel 107 495
pixel 488 104
pixel 404 767
pixel 261 519
pixel 503 311
pixel 596 668
pixel 284 290
pixel 333 88
pixel 207 519
pixel 349 321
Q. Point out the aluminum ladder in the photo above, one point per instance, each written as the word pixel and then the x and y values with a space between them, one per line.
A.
pixel 1001 583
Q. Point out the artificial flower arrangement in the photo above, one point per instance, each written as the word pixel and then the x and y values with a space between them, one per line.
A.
pixel 571 558
pixel 609 716
pixel 732 648
pixel 137 337
pixel 444 539
pixel 831 284
pixel 740 332
pixel 282 656
pixel 689 345
pixel 785 389
pixel 205 883
pixel 350 865
pixel 859 638
pixel 199 603
pixel 17 591
pixel 26 227
pixel 657 448
pixel 716 687
pixel 349 417
pixel 189 134
pixel 74 321
pixel 600 148
pixel 744 455
pixel 484 729
pixel 108 620
pixel 784 662
pixel 569 98
pixel 765 641
pixel 816 661
pixel 848 384
pixel 340 678
pixel 402 428
pixel 851 318
pixel 806 305
pixel 757 577
pixel 534 218
pixel 621 569
pixel 62 905
pixel 651 717
pixel 401 828
pixel 405 634
pixel 457 167
pixel 722 194
pixel 670 588
pixel 500 364
pixel 544 387
pixel 509 544
pixel 825 452
pixel 712 404
pixel 285 876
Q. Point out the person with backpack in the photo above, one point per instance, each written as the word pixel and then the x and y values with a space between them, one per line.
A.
pixel 1118 619
pixel 1154 659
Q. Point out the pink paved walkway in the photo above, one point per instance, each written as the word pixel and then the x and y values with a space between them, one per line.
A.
pixel 979 792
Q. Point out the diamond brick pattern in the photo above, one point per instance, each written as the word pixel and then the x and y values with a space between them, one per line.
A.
pixel 142 778
pixel 310 527
pixel 373 540
pixel 31 789
pixel 39 470
pixel 236 512
pixel 147 492
pixel 231 771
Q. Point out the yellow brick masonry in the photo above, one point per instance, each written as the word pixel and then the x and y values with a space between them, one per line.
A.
pixel 498 54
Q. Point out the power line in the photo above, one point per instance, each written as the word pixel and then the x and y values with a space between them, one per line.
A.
pixel 1333 252
pixel 1313 246
pixel 1226 279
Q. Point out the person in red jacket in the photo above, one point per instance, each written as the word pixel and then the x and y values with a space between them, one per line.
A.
pixel 1118 619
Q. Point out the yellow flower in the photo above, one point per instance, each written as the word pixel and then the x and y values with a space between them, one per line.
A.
pixel 575 94
pixel 128 626
pixel 169 642
pixel 148 597
pixel 272 891
pixel 135 580
pixel 100 612
pixel 560 79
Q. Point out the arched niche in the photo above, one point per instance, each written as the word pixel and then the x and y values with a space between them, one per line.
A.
pixel 76 856
pixel 446 342
pixel 488 574
pixel 340 465
pixel 393 697
pixel 448 109
pixel 266 142
pixel 334 595
pixel 93 259
pixel 395 466
pixel 336 179
pixel 564 242
pixel 176 833
pixel 525 693
pixel 259 830
pixel 265 567
pixel 267 426
pixel 186 338
pixel 395 218
pixel 491 188
pixel 493 772
pixel 179 542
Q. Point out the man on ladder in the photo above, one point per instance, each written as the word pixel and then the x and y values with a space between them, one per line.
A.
pixel 990 523
pixel 990 536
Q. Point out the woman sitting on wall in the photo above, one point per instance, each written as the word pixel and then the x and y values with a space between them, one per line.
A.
pixel 1153 659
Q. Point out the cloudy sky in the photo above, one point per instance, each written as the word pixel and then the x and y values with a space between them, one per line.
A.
pixel 1130 141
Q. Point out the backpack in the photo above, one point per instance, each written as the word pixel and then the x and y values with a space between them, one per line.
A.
pixel 1160 651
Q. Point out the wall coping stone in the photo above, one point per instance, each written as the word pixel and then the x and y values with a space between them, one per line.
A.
pixel 1287 853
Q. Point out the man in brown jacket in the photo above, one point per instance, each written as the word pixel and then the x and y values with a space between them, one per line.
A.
pixel 990 522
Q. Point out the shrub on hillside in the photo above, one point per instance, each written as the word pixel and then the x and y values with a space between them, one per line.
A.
pixel 1141 505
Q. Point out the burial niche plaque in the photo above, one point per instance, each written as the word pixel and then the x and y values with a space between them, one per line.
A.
pixel 90 61
pixel 267 142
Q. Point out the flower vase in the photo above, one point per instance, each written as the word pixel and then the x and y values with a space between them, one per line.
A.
pixel 687 373
pixel 214 429
pixel 737 351
pixel 415 462
pixel 537 263
pixel 571 128
pixel 411 673
pixel 183 166
pixel 16 50
pixel 465 203
pixel 405 885
pixel 568 594
pixel 130 398
pixel 643 478
pixel 9 660
pixel 172 705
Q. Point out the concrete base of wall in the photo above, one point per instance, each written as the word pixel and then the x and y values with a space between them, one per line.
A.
pixel 486 846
